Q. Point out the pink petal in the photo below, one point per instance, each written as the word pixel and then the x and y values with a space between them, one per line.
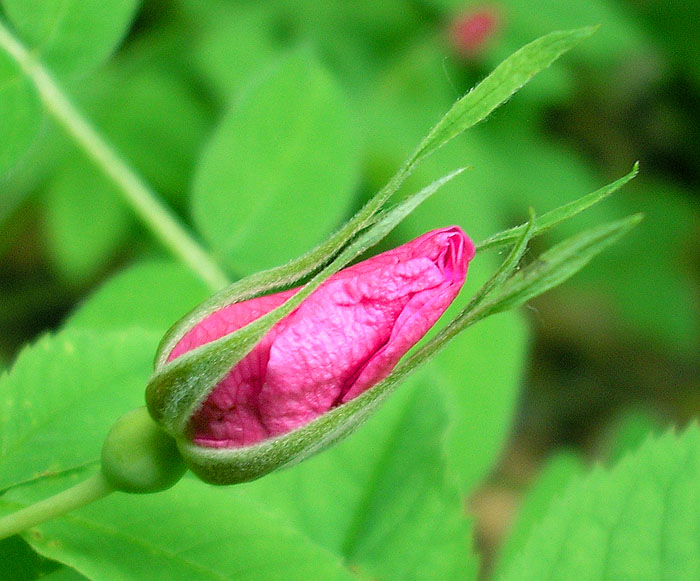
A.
pixel 341 340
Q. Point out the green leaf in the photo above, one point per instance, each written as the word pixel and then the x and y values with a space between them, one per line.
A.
pixel 235 43
pixel 554 478
pixel 20 111
pixel 382 499
pixel 149 295
pixel 628 432
pixel 417 529
pixel 152 116
pixel 481 373
pixel 80 248
pixel 71 36
pixel 64 574
pixel 61 397
pixel 280 170
pixel 191 531
pixel 20 562
pixel 638 521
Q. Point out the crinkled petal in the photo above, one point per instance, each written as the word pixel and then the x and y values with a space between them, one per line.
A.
pixel 344 338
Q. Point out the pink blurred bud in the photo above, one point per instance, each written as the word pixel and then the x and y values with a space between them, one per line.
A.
pixel 471 31
pixel 344 338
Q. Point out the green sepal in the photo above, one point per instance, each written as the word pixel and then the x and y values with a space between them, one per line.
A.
pixel 558 215
pixel 558 264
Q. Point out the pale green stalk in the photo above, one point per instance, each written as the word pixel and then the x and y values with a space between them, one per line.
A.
pixel 143 200
pixel 83 493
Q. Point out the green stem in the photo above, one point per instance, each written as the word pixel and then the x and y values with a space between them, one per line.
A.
pixel 85 492
pixel 144 201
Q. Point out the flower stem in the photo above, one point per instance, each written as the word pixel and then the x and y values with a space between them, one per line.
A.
pixel 143 200
pixel 94 488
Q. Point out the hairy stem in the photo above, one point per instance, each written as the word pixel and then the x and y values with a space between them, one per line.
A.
pixel 143 200
pixel 85 492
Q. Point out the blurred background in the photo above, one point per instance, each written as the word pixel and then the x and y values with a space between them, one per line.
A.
pixel 614 354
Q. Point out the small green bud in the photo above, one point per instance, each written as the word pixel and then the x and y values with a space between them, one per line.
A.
pixel 139 457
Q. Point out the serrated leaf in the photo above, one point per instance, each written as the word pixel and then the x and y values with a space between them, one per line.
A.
pixel 61 397
pixel 640 520
pixel 559 471
pixel 149 295
pixel 383 499
pixel 191 531
pixel 279 172
pixel 71 36
pixel 628 431
pixel 20 113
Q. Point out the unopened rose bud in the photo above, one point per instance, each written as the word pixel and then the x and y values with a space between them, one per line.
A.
pixel 471 32
pixel 283 401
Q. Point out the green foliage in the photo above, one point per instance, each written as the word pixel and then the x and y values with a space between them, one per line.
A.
pixel 552 480
pixel 188 532
pixel 71 36
pixel 298 138
pixel 61 397
pixel 150 295
pixel 388 513
pixel 482 386
pixel 20 112
pixel 80 248
pixel 286 148
pixel 637 521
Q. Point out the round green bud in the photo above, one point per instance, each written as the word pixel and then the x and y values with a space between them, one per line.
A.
pixel 139 457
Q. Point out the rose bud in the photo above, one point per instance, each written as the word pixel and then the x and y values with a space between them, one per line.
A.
pixel 308 381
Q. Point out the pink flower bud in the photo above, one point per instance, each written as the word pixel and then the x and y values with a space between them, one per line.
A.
pixel 472 30
pixel 344 338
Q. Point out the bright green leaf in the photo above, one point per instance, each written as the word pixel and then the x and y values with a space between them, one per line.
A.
pixel 149 295
pixel 20 562
pixel 236 42
pixel 640 520
pixel 628 431
pixel 63 394
pixel 71 36
pixel 382 499
pixel 64 574
pixel 279 172
pixel 191 531
pixel 557 474
pixel 152 116
pixel 20 113
pixel 481 372
pixel 79 248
